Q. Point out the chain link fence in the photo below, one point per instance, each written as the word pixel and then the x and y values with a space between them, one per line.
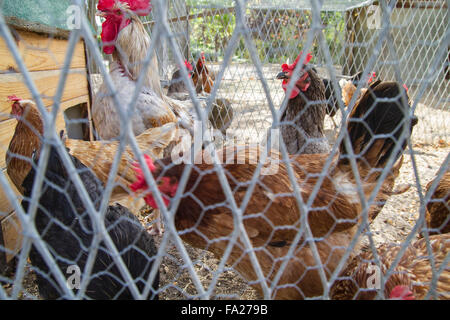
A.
pixel 320 182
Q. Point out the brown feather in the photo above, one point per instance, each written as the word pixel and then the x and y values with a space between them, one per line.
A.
pixel 97 155
pixel 438 208
pixel 414 270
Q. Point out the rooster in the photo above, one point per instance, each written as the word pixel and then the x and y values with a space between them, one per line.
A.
pixel 97 155
pixel 124 36
pixel 438 208
pixel 272 218
pixel 67 230
pixel 413 272
pixel 302 123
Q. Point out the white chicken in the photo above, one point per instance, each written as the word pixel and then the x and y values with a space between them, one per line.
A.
pixel 124 36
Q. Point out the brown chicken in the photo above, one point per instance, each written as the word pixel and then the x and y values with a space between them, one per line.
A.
pixel 303 119
pixel 97 155
pixel 438 208
pixel 272 218
pixel 414 271
pixel 221 114
pixel 348 87
pixel 202 77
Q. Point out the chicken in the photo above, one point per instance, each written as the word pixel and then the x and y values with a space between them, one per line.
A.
pixel 414 271
pixel 177 88
pixel 221 114
pixel 64 225
pixel 124 36
pixel 97 155
pixel 203 76
pixel 302 122
pixel 348 87
pixel 438 208
pixel 271 217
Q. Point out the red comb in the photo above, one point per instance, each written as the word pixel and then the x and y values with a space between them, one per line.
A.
pixel 289 68
pixel 104 5
pixel 203 55
pixel 13 98
pixel 140 7
pixel 188 65
pixel 372 77
pixel 406 88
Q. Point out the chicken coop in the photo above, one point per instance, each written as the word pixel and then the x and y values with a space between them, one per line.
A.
pixel 351 98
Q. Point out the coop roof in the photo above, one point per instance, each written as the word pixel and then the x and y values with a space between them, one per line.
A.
pixel 43 16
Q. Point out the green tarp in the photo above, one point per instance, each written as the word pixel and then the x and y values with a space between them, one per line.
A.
pixel 47 16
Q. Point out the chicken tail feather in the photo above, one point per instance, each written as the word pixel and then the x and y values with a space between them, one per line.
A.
pixel 376 123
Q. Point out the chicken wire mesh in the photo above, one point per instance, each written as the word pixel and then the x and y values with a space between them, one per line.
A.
pixel 238 230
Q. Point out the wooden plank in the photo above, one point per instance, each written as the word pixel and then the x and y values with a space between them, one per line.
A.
pixel 10 238
pixel 40 53
pixel 5 205
pixel 47 82
pixel 7 128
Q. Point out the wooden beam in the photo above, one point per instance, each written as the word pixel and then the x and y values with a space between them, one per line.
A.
pixel 414 4
pixel 46 82
pixel 39 52
pixel 10 238
pixel 5 205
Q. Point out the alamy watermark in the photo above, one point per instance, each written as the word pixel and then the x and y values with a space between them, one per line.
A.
pixel 74 280
pixel 373 17
pixel 73 20
pixel 374 280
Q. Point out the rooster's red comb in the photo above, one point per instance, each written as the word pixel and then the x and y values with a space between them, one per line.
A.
pixel 188 65
pixel 289 68
pixel 140 7
pixel 13 98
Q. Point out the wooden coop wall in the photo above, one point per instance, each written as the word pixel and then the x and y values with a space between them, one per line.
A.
pixel 44 58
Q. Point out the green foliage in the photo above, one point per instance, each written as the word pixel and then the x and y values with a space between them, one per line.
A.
pixel 211 34
pixel 278 34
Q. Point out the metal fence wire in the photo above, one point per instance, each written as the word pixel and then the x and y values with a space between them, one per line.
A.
pixel 225 149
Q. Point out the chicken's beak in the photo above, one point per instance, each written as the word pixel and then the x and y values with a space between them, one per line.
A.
pixel 100 13
pixel 282 75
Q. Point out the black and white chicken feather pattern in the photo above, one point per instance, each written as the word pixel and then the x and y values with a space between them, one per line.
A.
pixel 302 123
